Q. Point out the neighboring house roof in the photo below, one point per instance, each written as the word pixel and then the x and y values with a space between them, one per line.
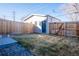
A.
pixel 54 18
pixel 26 18
pixel 30 16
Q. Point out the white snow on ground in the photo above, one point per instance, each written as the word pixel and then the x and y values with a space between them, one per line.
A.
pixel 6 40
pixel 10 47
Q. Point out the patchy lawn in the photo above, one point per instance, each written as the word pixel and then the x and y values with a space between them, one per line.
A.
pixel 47 45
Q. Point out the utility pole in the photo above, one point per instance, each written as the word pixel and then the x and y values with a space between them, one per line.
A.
pixel 13 15
pixel 4 28
pixel 4 17
pixel 13 22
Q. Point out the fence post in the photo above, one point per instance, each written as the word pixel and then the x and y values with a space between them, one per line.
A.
pixel 47 25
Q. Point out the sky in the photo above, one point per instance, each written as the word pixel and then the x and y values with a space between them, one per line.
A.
pixel 25 9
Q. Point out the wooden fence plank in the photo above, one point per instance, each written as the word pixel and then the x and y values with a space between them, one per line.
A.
pixel 7 27
pixel 68 28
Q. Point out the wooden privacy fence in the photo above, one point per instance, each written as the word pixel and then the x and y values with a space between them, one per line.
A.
pixel 7 27
pixel 64 28
pixel 58 28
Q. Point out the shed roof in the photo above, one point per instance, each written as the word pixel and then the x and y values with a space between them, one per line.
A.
pixel 26 18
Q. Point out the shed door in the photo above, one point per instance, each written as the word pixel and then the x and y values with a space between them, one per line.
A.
pixel 44 27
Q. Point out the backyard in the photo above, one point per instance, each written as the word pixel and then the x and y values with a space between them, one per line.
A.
pixel 49 45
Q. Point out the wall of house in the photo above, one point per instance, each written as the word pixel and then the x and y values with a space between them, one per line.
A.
pixel 37 21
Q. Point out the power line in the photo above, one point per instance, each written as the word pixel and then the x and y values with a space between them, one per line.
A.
pixel 67 13
pixel 33 11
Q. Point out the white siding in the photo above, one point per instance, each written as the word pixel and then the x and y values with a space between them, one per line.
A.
pixel 38 20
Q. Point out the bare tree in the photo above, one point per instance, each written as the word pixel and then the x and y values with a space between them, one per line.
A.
pixel 71 10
